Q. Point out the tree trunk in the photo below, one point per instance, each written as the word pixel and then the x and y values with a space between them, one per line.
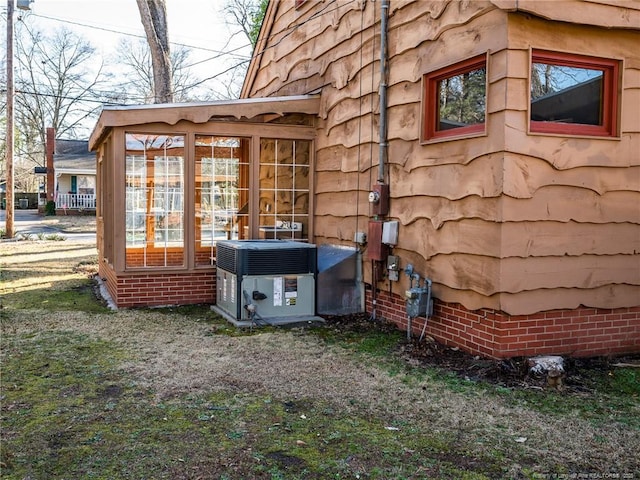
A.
pixel 153 14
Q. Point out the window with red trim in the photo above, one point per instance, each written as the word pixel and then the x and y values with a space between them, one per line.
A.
pixel 455 99
pixel 573 94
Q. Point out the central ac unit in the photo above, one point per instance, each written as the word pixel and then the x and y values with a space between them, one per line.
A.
pixel 266 281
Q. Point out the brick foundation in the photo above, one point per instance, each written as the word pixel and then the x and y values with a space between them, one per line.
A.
pixel 579 332
pixel 162 288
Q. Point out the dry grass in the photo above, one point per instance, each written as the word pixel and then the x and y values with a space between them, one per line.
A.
pixel 175 355
pixel 72 223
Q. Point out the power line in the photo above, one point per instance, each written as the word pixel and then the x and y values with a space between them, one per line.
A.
pixel 329 8
pixel 143 37
pixel 290 30
pixel 67 97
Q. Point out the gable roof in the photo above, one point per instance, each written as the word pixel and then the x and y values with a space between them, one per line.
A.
pixel 73 155
pixel 613 14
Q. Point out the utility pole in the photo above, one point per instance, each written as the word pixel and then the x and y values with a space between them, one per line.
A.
pixel 9 195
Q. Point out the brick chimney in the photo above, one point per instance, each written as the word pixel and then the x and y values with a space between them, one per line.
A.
pixel 50 150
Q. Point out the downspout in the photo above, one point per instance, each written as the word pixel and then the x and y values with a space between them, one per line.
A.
pixel 383 155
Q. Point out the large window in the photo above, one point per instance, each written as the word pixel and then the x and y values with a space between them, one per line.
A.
pixel 573 94
pixel 154 215
pixel 454 100
pixel 284 189
pixel 221 192
pixel 235 195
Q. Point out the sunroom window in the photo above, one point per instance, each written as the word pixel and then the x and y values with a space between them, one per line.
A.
pixel 221 193
pixel 154 215
pixel 232 195
pixel 284 189
pixel 573 94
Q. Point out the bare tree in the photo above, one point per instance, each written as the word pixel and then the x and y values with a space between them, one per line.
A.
pixel 248 15
pixel 135 59
pixel 243 17
pixel 57 83
pixel 153 14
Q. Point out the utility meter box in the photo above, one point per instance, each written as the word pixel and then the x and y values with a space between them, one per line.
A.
pixel 379 199
pixel 376 249
pixel 419 302
pixel 390 232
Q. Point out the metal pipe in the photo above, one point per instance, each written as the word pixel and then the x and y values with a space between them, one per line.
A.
pixel 360 280
pixel 428 283
pixel 384 14
pixel 374 296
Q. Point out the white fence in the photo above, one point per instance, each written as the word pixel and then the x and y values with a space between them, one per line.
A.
pixel 73 201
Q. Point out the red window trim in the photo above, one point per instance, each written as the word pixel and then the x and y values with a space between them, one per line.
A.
pixel 610 82
pixel 431 110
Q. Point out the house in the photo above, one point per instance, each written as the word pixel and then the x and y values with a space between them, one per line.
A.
pixel 71 175
pixel 490 145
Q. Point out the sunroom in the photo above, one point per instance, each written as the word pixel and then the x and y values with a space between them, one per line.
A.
pixel 173 179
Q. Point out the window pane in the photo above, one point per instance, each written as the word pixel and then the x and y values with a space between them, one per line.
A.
pixel 221 194
pixel 136 200
pixel 284 189
pixel 462 100
pixel 301 178
pixel 154 216
pixel 168 189
pixel 566 94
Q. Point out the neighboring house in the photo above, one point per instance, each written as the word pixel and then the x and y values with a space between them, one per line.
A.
pixel 71 174
pixel 74 176
pixel 501 140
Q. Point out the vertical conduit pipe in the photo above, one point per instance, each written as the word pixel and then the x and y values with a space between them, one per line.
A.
pixel 428 283
pixel 384 14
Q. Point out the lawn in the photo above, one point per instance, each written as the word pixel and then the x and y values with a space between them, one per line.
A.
pixel 178 393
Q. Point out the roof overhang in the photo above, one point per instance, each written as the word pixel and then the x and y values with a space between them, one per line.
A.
pixel 200 112
pixel 73 171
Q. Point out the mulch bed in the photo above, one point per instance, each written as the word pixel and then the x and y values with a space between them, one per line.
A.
pixel 509 373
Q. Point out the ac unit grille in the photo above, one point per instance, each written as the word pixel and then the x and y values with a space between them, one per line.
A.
pixel 226 258
pixel 266 257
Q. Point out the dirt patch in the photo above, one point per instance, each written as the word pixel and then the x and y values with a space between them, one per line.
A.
pixel 286 460
pixel 110 391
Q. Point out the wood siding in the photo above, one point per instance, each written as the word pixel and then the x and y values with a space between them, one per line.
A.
pixel 510 221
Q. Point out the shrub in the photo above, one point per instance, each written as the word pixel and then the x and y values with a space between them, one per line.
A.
pixel 50 208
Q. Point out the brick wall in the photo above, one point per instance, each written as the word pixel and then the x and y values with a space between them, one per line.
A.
pixel 204 257
pixel 577 332
pixel 109 278
pixel 159 288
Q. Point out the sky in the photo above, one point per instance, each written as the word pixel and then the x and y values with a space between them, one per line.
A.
pixel 198 24
pixel 195 22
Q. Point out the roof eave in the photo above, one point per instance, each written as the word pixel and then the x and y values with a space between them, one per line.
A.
pixel 172 113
